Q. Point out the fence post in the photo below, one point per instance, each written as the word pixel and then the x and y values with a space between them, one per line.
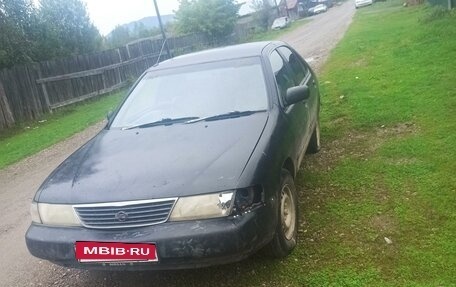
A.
pixel 128 51
pixel 45 92
pixel 120 62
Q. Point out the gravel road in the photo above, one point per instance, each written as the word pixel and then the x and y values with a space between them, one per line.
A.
pixel 19 182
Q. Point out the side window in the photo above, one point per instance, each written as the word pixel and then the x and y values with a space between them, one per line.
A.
pixel 299 68
pixel 282 74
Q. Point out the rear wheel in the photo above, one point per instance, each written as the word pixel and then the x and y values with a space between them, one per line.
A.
pixel 314 143
pixel 286 235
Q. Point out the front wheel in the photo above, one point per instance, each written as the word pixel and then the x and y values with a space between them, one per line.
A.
pixel 286 235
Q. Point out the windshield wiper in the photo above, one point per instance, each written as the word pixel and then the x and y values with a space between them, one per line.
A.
pixel 229 115
pixel 162 122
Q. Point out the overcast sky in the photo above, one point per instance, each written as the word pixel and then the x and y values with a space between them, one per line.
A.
pixel 106 14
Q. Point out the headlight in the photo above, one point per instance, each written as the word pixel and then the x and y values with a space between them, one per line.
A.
pixel 203 206
pixel 34 213
pixel 54 214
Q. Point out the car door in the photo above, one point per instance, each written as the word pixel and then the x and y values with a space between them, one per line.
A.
pixel 296 114
pixel 302 76
pixel 305 76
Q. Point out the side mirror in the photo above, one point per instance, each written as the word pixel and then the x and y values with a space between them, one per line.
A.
pixel 297 94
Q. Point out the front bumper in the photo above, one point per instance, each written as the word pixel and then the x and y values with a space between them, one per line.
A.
pixel 180 245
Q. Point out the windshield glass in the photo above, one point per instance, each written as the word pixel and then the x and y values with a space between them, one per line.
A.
pixel 198 91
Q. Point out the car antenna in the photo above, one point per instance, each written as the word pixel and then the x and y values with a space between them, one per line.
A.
pixel 161 51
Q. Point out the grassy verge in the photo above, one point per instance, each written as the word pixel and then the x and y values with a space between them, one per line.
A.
pixel 32 137
pixel 384 187
pixel 270 35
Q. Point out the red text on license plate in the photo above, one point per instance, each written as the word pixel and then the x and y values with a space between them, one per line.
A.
pixel 88 251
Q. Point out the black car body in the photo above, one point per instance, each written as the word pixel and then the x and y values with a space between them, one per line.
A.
pixel 244 160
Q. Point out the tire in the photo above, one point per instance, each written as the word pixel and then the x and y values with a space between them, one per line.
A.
pixel 314 143
pixel 286 235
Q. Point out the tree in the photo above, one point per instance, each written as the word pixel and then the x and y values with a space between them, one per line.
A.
pixel 58 28
pixel 119 36
pixel 123 34
pixel 214 18
pixel 65 29
pixel 263 13
pixel 16 24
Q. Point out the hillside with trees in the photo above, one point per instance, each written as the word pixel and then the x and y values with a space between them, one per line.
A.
pixel 143 28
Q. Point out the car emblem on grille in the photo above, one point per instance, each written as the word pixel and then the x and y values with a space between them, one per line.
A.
pixel 121 216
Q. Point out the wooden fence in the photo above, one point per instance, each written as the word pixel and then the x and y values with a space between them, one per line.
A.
pixel 29 91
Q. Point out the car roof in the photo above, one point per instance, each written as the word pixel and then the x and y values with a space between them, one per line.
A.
pixel 218 54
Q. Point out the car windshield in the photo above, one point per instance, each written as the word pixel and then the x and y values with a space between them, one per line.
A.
pixel 196 91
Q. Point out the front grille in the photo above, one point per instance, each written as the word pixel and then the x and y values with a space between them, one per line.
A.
pixel 125 214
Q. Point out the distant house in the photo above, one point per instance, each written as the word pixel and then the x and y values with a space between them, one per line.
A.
pixel 291 8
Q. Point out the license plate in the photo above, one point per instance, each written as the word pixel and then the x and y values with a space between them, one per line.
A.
pixel 88 251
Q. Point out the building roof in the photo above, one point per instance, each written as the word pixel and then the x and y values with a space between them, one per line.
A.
pixel 291 4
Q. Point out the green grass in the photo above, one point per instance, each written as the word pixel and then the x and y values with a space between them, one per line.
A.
pixel 392 150
pixel 32 137
pixel 270 35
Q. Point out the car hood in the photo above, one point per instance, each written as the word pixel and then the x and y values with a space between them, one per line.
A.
pixel 156 162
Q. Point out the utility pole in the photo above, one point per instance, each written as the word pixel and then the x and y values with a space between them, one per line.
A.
pixel 161 28
pixel 286 8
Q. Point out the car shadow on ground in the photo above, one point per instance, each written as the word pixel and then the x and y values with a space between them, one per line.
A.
pixel 241 273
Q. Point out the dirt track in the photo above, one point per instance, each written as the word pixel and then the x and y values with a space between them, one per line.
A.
pixel 19 182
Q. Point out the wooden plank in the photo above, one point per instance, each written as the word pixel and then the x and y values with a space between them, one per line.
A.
pixel 118 68
pixel 35 89
pixel 93 72
pixel 88 96
pixel 14 95
pixel 45 92
pixel 6 115
pixel 30 94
